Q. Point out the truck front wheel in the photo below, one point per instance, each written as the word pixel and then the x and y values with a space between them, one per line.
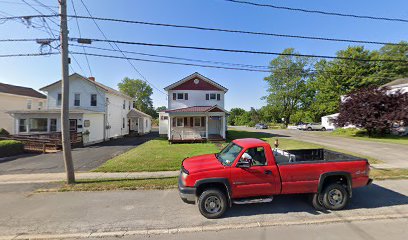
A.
pixel 212 203
pixel 335 197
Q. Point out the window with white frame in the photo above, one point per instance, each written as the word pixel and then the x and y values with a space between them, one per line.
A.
pixel 124 104
pixel 29 103
pixel 197 122
pixel 93 100
pixel 180 122
pixel 38 124
pixel 77 99
pixel 22 125
pixel 53 125
pixel 59 99
pixel 40 105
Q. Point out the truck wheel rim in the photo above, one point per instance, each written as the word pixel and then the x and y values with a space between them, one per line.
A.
pixel 212 204
pixel 335 197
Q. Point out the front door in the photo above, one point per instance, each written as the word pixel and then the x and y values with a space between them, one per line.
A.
pixel 258 180
pixel 214 125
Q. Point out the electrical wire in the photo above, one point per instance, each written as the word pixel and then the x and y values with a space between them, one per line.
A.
pixel 339 14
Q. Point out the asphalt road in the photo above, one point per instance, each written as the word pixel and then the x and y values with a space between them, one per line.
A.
pixel 85 159
pixel 394 155
pixel 24 212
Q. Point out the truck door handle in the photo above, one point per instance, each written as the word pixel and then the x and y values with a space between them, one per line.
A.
pixel 268 172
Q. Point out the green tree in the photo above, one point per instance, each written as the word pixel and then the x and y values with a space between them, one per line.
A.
pixel 287 84
pixel 161 109
pixel 141 93
pixel 235 113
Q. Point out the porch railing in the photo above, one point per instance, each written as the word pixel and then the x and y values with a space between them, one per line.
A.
pixel 44 142
pixel 187 135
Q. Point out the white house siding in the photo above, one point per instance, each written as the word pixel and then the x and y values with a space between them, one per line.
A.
pixel 81 87
pixel 163 123
pixel 195 98
pixel 115 116
pixel 16 102
pixel 95 127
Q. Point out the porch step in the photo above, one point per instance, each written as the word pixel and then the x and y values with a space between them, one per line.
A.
pixel 253 200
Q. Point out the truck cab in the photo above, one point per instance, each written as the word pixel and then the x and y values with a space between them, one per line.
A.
pixel 249 171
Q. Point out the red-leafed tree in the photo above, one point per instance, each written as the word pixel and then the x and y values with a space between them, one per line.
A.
pixel 374 109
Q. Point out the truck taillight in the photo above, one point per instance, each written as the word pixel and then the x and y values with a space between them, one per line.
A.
pixel 368 169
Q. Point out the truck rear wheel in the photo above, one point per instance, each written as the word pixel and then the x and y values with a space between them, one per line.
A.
pixel 335 197
pixel 212 203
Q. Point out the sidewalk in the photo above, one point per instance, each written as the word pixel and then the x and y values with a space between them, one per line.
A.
pixel 59 177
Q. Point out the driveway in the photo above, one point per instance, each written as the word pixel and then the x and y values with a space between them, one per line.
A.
pixel 85 159
pixel 394 155
pixel 162 211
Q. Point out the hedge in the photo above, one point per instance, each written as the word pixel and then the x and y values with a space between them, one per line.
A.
pixel 10 148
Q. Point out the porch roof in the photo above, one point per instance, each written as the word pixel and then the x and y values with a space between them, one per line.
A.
pixel 137 114
pixel 198 109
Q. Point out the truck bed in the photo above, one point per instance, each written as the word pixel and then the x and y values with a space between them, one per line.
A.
pixel 311 156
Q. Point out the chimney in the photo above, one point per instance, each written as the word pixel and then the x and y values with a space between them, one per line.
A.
pixel 92 78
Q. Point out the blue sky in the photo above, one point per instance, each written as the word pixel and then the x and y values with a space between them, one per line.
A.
pixel 245 88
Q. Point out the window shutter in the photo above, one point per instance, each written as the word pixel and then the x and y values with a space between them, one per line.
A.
pixel 174 122
pixel 185 96
pixel 203 121
pixel 174 96
pixel 207 96
pixel 218 97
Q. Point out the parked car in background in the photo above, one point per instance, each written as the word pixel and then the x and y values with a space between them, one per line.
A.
pixel 301 126
pixel 261 126
pixel 311 127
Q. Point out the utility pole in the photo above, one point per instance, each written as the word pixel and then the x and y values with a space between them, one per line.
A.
pixel 66 138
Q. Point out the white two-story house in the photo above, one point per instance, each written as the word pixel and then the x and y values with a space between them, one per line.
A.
pixel 195 110
pixel 95 110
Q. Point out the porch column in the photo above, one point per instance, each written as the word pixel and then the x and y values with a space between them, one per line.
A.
pixel 170 119
pixel 223 126
pixel 206 126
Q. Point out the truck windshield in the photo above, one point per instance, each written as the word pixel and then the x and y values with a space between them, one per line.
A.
pixel 229 154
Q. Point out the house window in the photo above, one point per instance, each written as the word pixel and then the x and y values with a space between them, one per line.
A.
pixel 59 99
pixel 123 122
pixel 129 104
pixel 72 125
pixel 146 124
pixel 29 103
pixel 164 118
pixel 174 96
pixel 185 96
pixel 87 123
pixel 180 122
pixel 197 121
pixel 124 104
pixel 77 99
pixel 180 96
pixel 40 105
pixel 53 125
pixel 202 121
pixel 22 127
pixel 218 97
pixel 212 96
pixel 93 100
pixel 207 96
pixel 38 124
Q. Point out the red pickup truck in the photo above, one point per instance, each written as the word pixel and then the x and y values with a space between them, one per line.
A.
pixel 249 171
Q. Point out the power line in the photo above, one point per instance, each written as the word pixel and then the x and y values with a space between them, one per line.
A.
pixel 176 58
pixel 46 6
pixel 238 31
pixel 240 50
pixel 35 9
pixel 175 63
pixel 27 54
pixel 80 35
pixel 320 12
pixel 20 3
pixel 133 66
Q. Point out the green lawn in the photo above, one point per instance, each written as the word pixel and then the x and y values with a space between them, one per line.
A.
pixel 362 135
pixel 159 155
pixel 118 184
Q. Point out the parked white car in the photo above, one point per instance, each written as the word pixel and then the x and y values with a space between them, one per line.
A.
pixel 312 127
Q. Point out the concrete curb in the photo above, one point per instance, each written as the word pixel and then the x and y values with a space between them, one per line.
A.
pixel 60 177
pixel 215 228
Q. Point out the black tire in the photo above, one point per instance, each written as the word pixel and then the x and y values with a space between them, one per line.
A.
pixel 309 129
pixel 323 129
pixel 335 197
pixel 317 201
pixel 212 203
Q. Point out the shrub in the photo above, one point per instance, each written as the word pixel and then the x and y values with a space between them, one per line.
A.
pixel 10 148
pixel 4 132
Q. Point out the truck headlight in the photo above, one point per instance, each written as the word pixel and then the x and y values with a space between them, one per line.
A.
pixel 183 177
